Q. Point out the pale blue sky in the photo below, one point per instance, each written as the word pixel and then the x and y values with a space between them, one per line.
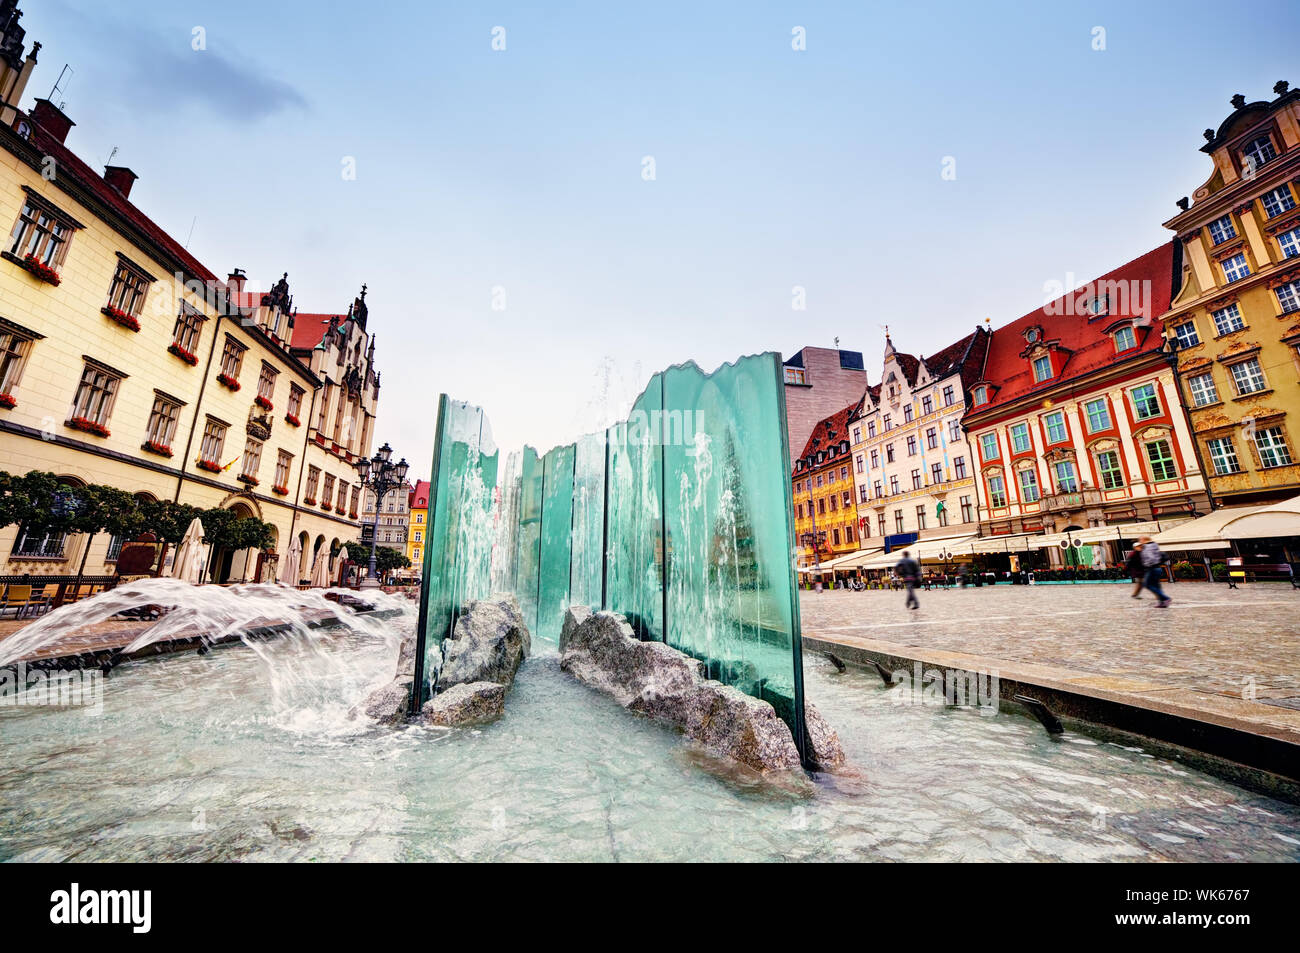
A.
pixel 522 169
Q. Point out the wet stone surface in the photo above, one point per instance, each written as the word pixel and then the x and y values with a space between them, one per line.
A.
pixel 1211 640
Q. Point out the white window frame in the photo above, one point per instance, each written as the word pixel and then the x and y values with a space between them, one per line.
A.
pixel 1248 372
pixel 1203 390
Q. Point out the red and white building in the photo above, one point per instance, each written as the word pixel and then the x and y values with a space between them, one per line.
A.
pixel 1077 425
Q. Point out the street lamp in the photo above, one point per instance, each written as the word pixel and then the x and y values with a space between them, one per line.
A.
pixel 380 476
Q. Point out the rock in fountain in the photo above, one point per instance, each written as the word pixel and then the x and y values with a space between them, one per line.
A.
pixel 480 659
pixel 655 679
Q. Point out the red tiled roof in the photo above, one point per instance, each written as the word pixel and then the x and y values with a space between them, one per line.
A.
pixel 420 495
pixel 308 329
pixel 1088 341
pixel 831 430
pixel 69 165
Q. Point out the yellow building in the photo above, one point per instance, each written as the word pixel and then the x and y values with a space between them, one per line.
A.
pixel 124 361
pixel 825 514
pixel 1235 324
pixel 417 526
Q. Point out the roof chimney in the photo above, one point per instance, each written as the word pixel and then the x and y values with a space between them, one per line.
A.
pixel 235 281
pixel 50 118
pixel 120 178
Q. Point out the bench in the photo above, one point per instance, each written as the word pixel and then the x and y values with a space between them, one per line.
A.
pixel 1255 572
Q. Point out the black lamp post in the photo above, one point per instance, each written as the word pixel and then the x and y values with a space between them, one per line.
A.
pixel 380 476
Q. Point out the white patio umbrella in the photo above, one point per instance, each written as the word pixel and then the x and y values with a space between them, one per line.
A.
pixel 190 554
pixel 343 558
pixel 289 563
pixel 320 569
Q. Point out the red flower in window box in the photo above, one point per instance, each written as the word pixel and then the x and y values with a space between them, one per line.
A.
pixel 86 425
pixel 227 381
pixel 121 317
pixel 41 270
pixel 184 355
pixel 263 402
pixel 352 515
pixel 8 401
pixel 153 446
pixel 210 465
pixel 326 507
pixel 280 490
pixel 247 479
pixel 309 501
pixel 293 420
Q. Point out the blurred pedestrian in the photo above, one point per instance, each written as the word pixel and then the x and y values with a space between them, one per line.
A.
pixel 1133 566
pixel 1153 560
pixel 909 570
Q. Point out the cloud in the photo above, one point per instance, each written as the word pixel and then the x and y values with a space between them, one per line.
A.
pixel 170 74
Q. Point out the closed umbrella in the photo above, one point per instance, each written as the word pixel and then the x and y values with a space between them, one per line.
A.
pixel 191 554
pixel 320 569
pixel 289 563
pixel 343 561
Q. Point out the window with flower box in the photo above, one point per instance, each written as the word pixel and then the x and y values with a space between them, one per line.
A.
pixel 96 393
pixel 327 492
pixel 214 441
pixel 356 498
pixel 127 293
pixel 251 462
pixel 313 481
pixel 342 503
pixel 293 411
pixel 185 335
pixel 40 236
pixel 163 418
pixel 283 461
pixel 232 359
pixel 266 387
pixel 15 346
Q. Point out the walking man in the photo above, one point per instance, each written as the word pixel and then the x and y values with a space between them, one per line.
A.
pixel 1136 571
pixel 1153 560
pixel 909 570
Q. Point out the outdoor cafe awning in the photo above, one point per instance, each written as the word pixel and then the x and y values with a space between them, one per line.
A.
pixel 852 560
pixel 921 551
pixel 1213 530
pixel 1011 543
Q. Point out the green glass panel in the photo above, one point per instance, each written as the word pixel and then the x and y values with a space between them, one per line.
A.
pixel 732 600
pixel 528 553
pixel 634 557
pixel 588 562
pixel 556 552
pixel 458 550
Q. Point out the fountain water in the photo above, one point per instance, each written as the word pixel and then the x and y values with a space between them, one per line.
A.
pixel 704 568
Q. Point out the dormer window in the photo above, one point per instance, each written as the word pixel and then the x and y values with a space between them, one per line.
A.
pixel 1222 229
pixel 1259 152
pixel 1125 339
pixel 1099 305
pixel 980 395
pixel 1042 368
pixel 1032 335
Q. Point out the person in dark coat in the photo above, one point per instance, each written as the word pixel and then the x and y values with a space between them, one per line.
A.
pixel 1136 571
pixel 909 570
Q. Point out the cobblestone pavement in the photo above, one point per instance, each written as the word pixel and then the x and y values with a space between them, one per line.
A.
pixel 110 634
pixel 1211 646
